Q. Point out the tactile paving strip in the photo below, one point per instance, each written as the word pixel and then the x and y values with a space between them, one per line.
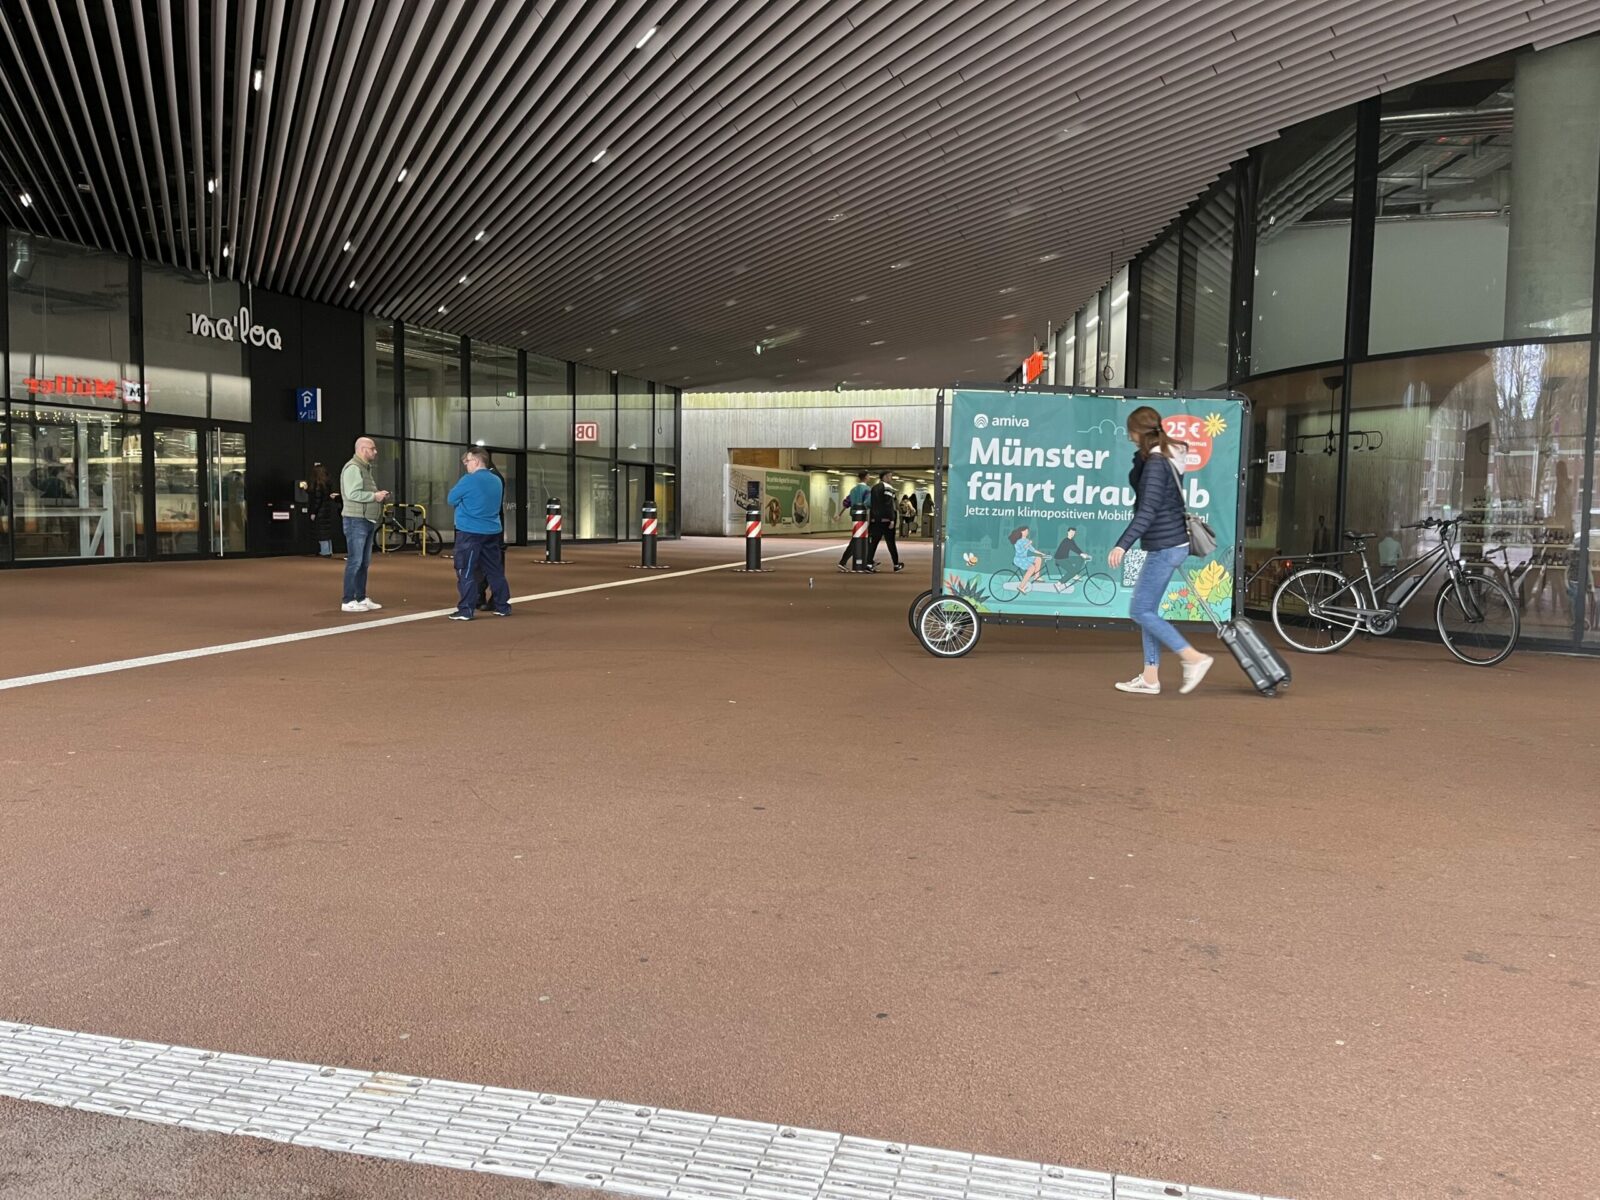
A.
pixel 632 1149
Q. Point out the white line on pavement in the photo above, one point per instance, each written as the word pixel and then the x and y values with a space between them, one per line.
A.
pixel 282 639
pixel 633 1149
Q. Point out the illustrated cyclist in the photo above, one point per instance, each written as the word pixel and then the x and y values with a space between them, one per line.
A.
pixel 1025 557
pixel 1068 570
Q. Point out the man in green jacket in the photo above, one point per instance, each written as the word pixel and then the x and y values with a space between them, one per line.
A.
pixel 362 510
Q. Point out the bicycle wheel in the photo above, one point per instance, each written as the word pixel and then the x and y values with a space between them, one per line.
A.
pixel 1003 585
pixel 1294 611
pixel 1099 589
pixel 391 539
pixel 432 543
pixel 915 610
pixel 1478 619
pixel 948 627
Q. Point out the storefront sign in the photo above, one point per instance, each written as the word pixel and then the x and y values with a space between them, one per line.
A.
pixel 129 391
pixel 308 404
pixel 866 431
pixel 235 329
pixel 586 431
pixel 1046 476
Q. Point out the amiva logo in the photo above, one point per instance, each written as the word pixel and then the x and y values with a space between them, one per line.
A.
pixel 983 421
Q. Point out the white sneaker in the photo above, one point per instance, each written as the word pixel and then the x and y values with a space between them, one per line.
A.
pixel 352 606
pixel 1193 674
pixel 1140 687
pixel 369 605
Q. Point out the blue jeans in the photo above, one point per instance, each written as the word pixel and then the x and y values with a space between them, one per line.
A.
pixel 358 535
pixel 1145 607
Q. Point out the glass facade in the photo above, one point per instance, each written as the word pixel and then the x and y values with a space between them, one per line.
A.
pixel 382 395
pixel 1405 290
pixel 186 375
pixel 497 405
pixel 435 400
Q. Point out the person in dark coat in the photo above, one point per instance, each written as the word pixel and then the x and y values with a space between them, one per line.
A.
pixel 322 502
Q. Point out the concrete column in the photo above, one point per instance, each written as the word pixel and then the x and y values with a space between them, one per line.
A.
pixel 1555 160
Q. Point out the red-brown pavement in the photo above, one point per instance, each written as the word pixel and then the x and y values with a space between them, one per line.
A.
pixel 737 844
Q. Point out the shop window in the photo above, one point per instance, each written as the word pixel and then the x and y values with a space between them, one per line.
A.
pixel 1292 489
pixel 549 405
pixel 185 373
pixel 1494 436
pixel 1486 203
pixel 1158 315
pixel 69 324
pixel 596 421
pixel 1206 285
pixel 496 396
pixel 436 407
pixel 381 406
pixel 633 419
pixel 75 489
pixel 595 506
pixel 547 480
pixel 1303 215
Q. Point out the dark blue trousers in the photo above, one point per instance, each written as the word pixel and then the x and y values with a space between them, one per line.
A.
pixel 480 560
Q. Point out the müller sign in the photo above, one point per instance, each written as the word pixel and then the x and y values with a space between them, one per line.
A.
pixel 235 329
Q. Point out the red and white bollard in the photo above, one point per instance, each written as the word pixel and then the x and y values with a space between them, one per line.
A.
pixel 552 531
pixel 858 537
pixel 649 527
pixel 752 538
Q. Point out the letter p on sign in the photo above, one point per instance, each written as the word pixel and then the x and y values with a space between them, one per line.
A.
pixel 866 431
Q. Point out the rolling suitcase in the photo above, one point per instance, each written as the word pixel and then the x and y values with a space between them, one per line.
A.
pixel 1259 661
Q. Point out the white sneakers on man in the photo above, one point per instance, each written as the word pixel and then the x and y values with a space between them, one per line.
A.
pixel 355 606
pixel 369 605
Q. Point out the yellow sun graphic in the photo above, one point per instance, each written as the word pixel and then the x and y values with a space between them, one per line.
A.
pixel 1215 425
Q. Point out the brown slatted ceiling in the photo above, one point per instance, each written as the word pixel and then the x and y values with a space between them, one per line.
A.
pixel 1013 152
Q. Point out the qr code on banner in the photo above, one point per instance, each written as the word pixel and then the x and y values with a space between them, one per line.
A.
pixel 1132 564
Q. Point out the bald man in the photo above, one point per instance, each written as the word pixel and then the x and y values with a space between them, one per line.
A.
pixel 362 510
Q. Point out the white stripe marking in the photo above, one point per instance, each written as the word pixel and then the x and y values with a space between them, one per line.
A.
pixel 633 1149
pixel 283 639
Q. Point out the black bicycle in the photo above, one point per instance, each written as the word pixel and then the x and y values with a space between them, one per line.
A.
pixel 404 527
pixel 1318 609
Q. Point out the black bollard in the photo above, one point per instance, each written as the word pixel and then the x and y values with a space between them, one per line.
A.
pixel 858 537
pixel 752 538
pixel 647 534
pixel 552 530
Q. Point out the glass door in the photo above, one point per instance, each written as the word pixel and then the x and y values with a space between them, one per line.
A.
pixel 179 491
pixel 636 491
pixel 509 464
pixel 225 468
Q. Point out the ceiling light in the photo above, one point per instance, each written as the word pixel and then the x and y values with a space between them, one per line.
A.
pixel 900 358
pixel 770 328
pixel 568 308
pixel 27 200
pixel 211 187
pixel 865 323
pixel 813 446
pixel 648 34
pixel 858 299
pixel 482 233
pixel 671 347
pixel 257 83
pixel 1048 257
pixel 225 252
pixel 879 342
pixel 463 279
pixel 615 331
pixel 1009 317
pixel 443 309
pixel 402 176
pixel 347 247
pixel 916 445
pixel 1006 291
pixel 352 284
pixel 901 265
pixel 838 216
pixel 597 157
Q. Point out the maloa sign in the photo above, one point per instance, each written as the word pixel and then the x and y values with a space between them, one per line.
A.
pixel 866 431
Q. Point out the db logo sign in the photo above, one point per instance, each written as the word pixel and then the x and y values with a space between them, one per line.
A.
pixel 1197 433
pixel 866 431
pixel 586 431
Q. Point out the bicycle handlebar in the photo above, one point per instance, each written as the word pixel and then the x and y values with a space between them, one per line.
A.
pixel 1435 523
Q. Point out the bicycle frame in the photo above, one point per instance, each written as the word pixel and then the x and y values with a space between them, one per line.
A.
pixel 1403 584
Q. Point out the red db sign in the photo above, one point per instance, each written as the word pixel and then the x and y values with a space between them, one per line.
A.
pixel 586 431
pixel 866 431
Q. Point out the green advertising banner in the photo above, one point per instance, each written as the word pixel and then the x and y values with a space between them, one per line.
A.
pixel 786 500
pixel 1042 476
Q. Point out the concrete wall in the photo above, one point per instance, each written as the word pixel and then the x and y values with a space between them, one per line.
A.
pixel 715 423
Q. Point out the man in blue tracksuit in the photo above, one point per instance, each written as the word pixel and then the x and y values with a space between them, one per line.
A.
pixel 479 554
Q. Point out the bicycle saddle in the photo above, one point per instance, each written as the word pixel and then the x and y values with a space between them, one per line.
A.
pixel 1359 537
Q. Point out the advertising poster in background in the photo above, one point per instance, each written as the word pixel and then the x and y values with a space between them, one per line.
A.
pixel 786 503
pixel 1047 475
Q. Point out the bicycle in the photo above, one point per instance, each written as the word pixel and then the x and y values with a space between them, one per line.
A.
pixel 406 525
pixel 1098 588
pixel 1318 609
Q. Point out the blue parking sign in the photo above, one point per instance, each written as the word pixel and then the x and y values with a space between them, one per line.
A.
pixel 308 404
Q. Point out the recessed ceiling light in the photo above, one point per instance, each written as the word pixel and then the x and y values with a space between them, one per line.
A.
pixel 567 308
pixel 1048 257
pixel 27 200
pixel 588 349
pixel 211 187
pixel 867 322
pixel 597 157
pixel 901 265
pixel 463 279
pixel 900 358
pixel 482 233
pixel 981 338
pixel 352 283
pixel 1006 291
pixel 879 342
pixel 225 252
pixel 257 82
pixel 648 34
pixel 404 171
pixel 671 347
pixel 729 303
pixel 838 216
pixel 616 331
pixel 858 299
pixel 347 247
pixel 443 309
pixel 770 328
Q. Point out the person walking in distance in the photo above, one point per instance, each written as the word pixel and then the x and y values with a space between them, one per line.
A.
pixel 362 509
pixel 859 496
pixel 322 501
pixel 883 517
pixel 479 558
pixel 1158 526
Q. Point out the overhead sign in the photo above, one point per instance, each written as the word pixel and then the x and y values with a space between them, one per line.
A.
pixel 1033 366
pixel 238 328
pixel 129 391
pixel 308 404
pixel 586 431
pixel 1047 476
pixel 866 431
